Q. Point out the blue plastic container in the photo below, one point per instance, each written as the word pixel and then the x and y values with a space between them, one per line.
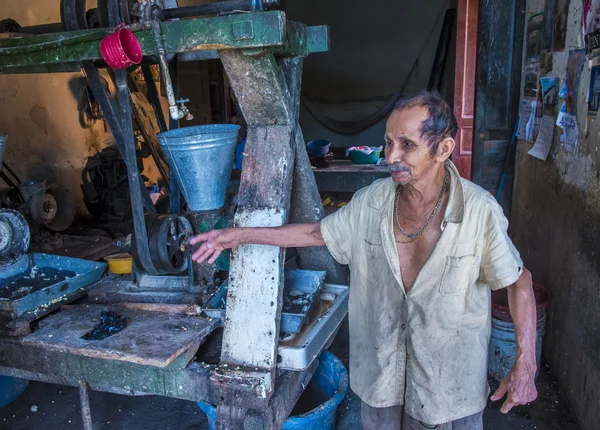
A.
pixel 318 148
pixel 330 379
pixel 201 157
pixel 11 388
pixel 503 347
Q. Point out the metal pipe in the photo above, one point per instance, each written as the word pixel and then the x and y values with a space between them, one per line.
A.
pixel 205 9
pixel 174 111
pixel 55 27
pixel 86 415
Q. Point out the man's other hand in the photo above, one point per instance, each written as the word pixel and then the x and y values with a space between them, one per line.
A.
pixel 519 383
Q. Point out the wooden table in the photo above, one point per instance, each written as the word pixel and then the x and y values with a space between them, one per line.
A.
pixel 343 176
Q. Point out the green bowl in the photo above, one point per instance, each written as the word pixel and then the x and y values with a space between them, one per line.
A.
pixel 359 157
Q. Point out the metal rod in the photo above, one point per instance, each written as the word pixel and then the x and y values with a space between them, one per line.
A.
pixel 86 415
pixel 174 189
pixel 55 27
pixel 153 96
pixel 205 9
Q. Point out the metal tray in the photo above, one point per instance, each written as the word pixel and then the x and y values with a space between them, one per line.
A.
pixel 300 296
pixel 304 284
pixel 42 279
pixel 299 352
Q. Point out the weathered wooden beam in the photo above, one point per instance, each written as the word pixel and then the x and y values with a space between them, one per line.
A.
pixel 254 296
pixel 306 204
pixel 261 30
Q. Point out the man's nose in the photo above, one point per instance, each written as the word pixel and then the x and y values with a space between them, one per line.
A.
pixel 393 154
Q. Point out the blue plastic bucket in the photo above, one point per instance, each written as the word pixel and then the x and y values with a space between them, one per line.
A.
pixel 11 388
pixel 330 381
pixel 503 347
pixel 201 158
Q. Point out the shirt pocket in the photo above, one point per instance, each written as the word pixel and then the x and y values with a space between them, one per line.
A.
pixel 458 275
pixel 368 254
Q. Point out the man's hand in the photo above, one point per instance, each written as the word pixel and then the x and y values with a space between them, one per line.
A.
pixel 214 243
pixel 519 383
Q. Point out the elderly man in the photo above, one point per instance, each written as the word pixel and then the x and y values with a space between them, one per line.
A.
pixel 425 248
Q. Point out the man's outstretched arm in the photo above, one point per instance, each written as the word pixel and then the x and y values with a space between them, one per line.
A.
pixel 287 236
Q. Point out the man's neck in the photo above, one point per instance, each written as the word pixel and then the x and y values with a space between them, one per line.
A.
pixel 425 190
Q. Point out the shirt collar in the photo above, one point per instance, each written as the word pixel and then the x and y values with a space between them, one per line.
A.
pixel 456 203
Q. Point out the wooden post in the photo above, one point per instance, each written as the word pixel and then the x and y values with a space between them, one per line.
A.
pixel 464 83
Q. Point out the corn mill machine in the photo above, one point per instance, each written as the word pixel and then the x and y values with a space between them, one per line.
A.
pixel 263 340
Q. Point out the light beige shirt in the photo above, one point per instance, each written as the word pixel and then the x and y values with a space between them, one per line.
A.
pixel 428 348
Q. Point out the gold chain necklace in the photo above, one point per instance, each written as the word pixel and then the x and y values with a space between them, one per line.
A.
pixel 415 236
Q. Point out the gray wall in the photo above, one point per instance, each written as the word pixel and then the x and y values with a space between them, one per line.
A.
pixel 373 47
pixel 556 227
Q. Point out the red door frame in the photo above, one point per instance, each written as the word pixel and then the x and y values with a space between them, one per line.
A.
pixel 464 83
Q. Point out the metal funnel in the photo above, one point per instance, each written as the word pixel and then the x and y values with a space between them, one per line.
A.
pixel 201 158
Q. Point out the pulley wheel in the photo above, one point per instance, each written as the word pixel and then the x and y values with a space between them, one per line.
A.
pixel 14 236
pixel 166 240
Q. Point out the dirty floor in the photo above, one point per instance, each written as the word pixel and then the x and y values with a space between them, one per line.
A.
pixel 46 407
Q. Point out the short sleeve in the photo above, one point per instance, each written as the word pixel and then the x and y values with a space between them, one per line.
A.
pixel 501 263
pixel 339 228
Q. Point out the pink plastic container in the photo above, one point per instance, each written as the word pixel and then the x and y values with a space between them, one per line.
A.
pixel 121 49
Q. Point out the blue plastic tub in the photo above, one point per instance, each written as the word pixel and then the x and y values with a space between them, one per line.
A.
pixel 330 381
pixel 11 388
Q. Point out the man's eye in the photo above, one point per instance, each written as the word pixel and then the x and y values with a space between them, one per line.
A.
pixel 389 142
pixel 408 143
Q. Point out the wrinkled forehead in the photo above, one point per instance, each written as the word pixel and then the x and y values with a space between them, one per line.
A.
pixel 406 123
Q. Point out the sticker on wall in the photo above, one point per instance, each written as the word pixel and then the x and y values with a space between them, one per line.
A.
pixel 594 91
pixel 559 24
pixel 527 114
pixel 567 117
pixel 535 27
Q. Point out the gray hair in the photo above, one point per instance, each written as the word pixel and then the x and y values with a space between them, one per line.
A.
pixel 440 121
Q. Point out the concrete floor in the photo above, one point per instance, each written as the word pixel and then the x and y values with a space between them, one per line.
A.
pixel 57 407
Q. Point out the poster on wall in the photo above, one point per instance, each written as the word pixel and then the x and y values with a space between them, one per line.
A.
pixel 527 115
pixel 591 16
pixel 567 117
pixel 559 24
pixel 594 91
pixel 545 136
pixel 535 27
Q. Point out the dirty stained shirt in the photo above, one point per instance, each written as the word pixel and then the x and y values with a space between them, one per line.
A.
pixel 428 348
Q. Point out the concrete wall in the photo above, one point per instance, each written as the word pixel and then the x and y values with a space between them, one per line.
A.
pixel 39 114
pixel 556 227
pixel 373 47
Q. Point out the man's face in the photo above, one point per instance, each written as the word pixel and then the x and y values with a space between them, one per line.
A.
pixel 406 153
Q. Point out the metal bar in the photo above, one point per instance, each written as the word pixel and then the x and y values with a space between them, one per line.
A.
pixel 174 189
pixel 154 99
pixel 205 9
pixel 55 27
pixel 86 415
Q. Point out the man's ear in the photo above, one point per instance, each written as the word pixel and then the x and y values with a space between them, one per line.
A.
pixel 445 149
